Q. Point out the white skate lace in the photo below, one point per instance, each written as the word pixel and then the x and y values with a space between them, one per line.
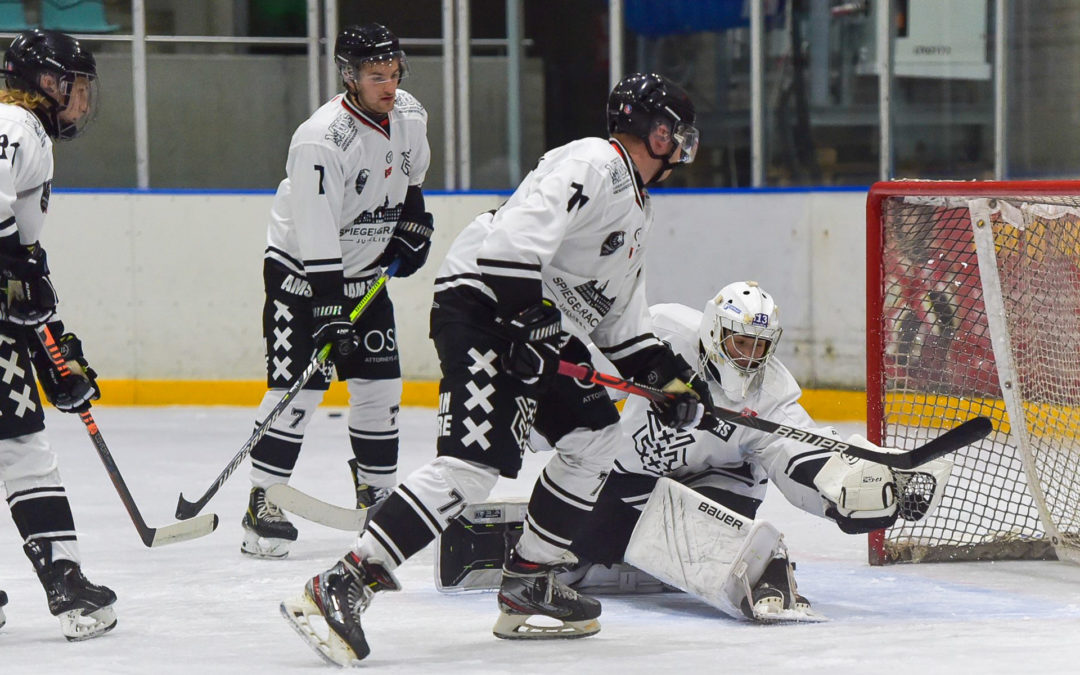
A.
pixel 269 511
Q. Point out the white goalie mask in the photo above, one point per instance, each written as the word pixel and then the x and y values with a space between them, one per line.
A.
pixel 739 331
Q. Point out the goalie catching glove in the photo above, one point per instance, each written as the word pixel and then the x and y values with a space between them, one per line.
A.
pixel 535 335
pixel 863 496
pixel 74 391
pixel 410 243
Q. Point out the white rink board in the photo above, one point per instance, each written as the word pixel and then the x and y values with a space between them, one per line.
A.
pixel 169 286
pixel 201 607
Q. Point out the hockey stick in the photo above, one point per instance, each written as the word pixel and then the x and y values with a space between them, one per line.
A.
pixel 151 536
pixel 317 511
pixel 186 509
pixel 950 441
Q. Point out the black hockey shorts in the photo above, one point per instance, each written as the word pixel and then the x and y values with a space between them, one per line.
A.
pixel 288 326
pixel 486 415
pixel 20 406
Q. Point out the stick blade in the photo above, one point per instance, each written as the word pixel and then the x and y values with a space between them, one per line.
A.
pixel 952 440
pixel 317 511
pixel 184 530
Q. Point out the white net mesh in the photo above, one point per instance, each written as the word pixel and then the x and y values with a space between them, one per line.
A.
pixel 939 368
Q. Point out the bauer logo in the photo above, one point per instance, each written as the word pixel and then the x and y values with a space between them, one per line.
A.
pixel 723 516
pixel 761 320
pixel 613 243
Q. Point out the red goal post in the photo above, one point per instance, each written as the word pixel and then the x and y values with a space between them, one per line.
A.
pixel 973 308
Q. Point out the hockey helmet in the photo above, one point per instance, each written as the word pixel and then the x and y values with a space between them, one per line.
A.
pixel 369 43
pixel 37 55
pixel 642 102
pixel 739 331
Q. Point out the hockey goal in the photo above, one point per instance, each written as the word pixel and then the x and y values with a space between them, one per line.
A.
pixel 973 308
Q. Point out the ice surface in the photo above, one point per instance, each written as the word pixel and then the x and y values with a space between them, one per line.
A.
pixel 201 607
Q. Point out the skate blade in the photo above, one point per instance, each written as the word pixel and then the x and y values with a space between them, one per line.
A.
pixel 518 627
pixel 331 648
pixel 255 546
pixel 77 626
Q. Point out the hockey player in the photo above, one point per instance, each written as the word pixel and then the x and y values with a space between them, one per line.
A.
pixel 350 204
pixel 50 94
pixel 718 477
pixel 521 288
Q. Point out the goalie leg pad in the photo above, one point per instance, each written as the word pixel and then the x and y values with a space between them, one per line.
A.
pixel 701 547
pixel 471 552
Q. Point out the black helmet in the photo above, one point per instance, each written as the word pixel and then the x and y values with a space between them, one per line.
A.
pixel 640 102
pixel 371 42
pixel 36 53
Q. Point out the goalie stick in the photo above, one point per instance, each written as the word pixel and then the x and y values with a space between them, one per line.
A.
pixel 950 441
pixel 186 509
pixel 317 511
pixel 151 536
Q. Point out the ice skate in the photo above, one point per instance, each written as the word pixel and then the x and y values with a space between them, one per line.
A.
pixel 367 496
pixel 85 610
pixel 267 532
pixel 339 596
pixel 532 589
pixel 775 597
pixel 3 601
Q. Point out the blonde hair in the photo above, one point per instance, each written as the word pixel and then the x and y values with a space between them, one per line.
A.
pixel 23 99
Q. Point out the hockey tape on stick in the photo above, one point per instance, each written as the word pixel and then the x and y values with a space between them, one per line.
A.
pixel 186 509
pixel 151 536
pixel 951 441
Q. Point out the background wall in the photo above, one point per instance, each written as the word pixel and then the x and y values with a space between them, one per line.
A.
pixel 169 286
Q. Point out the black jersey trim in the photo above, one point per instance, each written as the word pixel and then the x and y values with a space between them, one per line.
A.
pixel 364 118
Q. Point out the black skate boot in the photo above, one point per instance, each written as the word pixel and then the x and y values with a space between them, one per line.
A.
pixel 339 595
pixel 531 589
pixel 3 601
pixel 367 496
pixel 776 598
pixel 84 609
pixel 267 532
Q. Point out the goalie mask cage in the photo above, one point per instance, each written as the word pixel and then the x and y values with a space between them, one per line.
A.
pixel 973 308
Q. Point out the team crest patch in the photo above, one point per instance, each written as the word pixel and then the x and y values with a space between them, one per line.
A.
pixel 613 243
pixel 361 180
pixel 342 131
pixel 46 191
pixel 406 165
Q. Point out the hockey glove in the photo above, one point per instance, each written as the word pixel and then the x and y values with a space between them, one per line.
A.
pixel 691 400
pixel 29 297
pixel 72 392
pixel 410 243
pixel 332 326
pixel 535 335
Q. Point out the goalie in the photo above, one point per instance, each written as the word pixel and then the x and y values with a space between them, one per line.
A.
pixel 680 506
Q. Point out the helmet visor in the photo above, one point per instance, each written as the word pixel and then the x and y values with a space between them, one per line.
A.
pixel 374 70
pixel 77 103
pixel 686 137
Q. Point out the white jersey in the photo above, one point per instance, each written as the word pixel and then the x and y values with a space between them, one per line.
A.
pixel 576 226
pixel 346 181
pixel 26 171
pixel 694 455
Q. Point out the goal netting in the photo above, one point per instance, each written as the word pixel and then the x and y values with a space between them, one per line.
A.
pixel 973 308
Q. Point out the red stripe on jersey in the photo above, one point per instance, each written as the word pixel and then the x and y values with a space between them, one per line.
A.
pixel 365 119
